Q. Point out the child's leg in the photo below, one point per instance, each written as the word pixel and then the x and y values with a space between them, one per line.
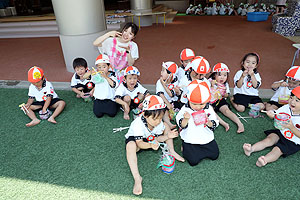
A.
pixel 270 140
pixel 131 149
pixel 167 120
pixel 58 106
pixel 270 157
pixel 170 144
pixel 228 113
pixel 270 106
pixel 127 100
pixel 261 106
pixel 32 116
pixel 97 108
pixel 238 107
pixel 223 123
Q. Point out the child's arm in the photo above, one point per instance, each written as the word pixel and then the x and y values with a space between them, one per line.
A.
pixel 185 120
pixel 291 126
pixel 109 80
pixel 98 42
pixel 92 92
pixel 253 79
pixel 77 92
pixel 29 102
pixel 146 145
pixel 165 87
pixel 87 74
pixel 168 134
pixel 170 106
pixel 47 103
pixel 130 59
pixel 122 103
pixel 278 84
pixel 240 82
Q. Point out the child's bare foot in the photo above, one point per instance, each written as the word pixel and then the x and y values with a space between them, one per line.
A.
pixel 52 120
pixel 126 116
pixel 261 161
pixel 78 96
pixel 33 122
pixel 226 126
pixel 177 156
pixel 137 188
pixel 241 128
pixel 247 149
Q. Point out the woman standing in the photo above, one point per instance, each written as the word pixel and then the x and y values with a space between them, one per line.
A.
pixel 120 48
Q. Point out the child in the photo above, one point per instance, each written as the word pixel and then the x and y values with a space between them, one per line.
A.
pixel 247 81
pixel 130 93
pixel 80 85
pixel 286 141
pixel 120 48
pixel 167 88
pixel 148 124
pixel 283 88
pixel 198 138
pixel 43 92
pixel 186 56
pixel 220 91
pixel 104 91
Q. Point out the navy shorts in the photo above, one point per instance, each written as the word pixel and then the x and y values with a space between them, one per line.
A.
pixel 245 100
pixel 218 104
pixel 286 146
pixel 41 103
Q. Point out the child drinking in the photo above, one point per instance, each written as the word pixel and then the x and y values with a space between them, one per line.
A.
pixel 283 89
pixel 146 132
pixel 130 93
pixel 45 98
pixel 285 141
pixel 220 91
pixel 246 84
pixel 198 120
pixel 167 88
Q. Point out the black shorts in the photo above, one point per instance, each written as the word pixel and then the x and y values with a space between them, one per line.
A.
pixel 218 104
pixel 280 6
pixel 41 103
pixel 131 138
pixel 286 146
pixel 84 87
pixel 275 103
pixel 245 100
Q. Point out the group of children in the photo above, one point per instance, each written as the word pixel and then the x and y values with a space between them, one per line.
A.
pixel 186 89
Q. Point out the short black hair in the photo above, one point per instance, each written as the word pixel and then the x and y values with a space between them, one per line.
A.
pixel 79 62
pixel 154 113
pixel 134 28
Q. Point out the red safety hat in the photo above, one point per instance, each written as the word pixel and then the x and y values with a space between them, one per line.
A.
pixel 131 70
pixel 294 73
pixel 35 74
pixel 187 54
pixel 153 102
pixel 220 67
pixel 171 66
pixel 102 58
pixel 296 92
pixel 199 64
pixel 198 92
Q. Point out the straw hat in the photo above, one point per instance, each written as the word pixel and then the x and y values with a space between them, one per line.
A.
pixel 153 102
pixel 220 67
pixel 35 74
pixel 102 58
pixel 198 92
pixel 294 73
pixel 199 64
pixel 187 54
pixel 131 70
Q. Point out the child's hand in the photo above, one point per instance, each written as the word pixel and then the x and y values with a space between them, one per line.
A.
pixel 162 81
pixel 82 94
pixel 154 145
pixel 92 93
pixel 104 75
pixel 270 113
pixel 284 84
pixel 170 106
pixel 213 82
pixel 288 125
pixel 177 90
pixel 140 106
pixel 186 115
pixel 251 72
pixel 245 73
pixel 27 105
pixel 173 134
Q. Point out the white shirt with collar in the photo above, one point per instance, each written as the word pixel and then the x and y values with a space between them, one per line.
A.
pixel 104 90
pixel 76 80
pixel 192 133
pixel 41 95
pixel 281 91
pixel 122 90
pixel 160 89
pixel 247 87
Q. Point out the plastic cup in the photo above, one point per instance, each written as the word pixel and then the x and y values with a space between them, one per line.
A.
pixel 281 119
pixel 283 99
pixel 168 164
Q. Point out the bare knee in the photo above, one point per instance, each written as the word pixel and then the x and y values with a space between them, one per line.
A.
pixel 240 108
pixel 127 99
pixel 131 147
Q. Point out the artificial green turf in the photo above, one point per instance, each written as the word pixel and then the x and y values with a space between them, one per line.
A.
pixel 81 158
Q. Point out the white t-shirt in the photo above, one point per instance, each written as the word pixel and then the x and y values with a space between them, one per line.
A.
pixel 280 91
pixel 41 95
pixel 122 90
pixel 107 45
pixel 160 89
pixel 296 122
pixel 139 130
pixel 194 134
pixel 104 90
pixel 76 80
pixel 247 87
pixel 180 73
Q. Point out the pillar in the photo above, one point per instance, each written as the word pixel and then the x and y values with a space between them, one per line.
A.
pixel 79 22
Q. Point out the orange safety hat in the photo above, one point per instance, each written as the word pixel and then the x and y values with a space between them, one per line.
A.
pixel 153 102
pixel 187 54
pixel 131 70
pixel 198 92
pixel 35 74
pixel 294 73
pixel 199 64
pixel 102 58
pixel 296 92
pixel 170 66
pixel 220 67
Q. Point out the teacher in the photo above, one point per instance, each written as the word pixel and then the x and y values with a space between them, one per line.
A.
pixel 120 48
